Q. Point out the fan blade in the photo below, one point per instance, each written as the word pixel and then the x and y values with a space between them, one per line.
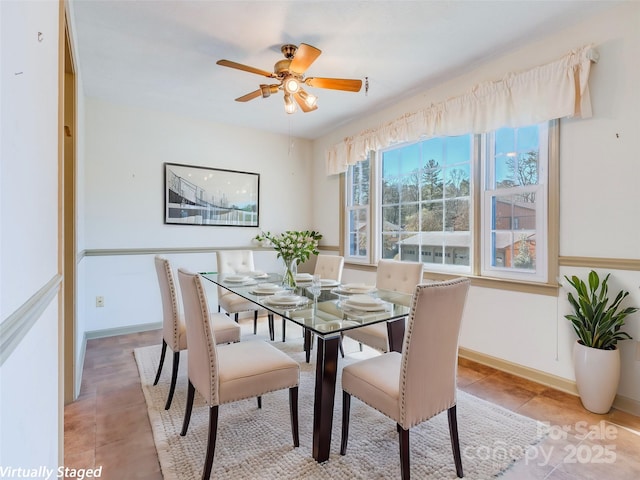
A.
pixel 245 68
pixel 304 57
pixel 303 105
pixel 335 83
pixel 249 96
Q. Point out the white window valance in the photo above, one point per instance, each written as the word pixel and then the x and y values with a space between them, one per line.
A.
pixel 555 90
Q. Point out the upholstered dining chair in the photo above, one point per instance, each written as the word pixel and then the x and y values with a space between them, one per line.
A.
pixel 173 328
pixel 237 261
pixel 419 383
pixel 230 372
pixel 395 276
pixel 329 267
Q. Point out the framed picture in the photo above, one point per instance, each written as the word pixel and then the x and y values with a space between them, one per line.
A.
pixel 210 196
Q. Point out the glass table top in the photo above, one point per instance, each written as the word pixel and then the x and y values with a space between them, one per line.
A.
pixel 334 308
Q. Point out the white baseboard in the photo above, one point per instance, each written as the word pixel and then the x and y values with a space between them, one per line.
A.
pixel 111 332
pixel 625 404
pixel 80 366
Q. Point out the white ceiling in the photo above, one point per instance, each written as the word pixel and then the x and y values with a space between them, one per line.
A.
pixel 162 54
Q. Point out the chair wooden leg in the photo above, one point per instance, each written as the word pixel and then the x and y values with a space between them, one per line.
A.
pixel 346 407
pixel 174 378
pixel 219 309
pixel 259 401
pixel 255 322
pixel 164 351
pixel 284 330
pixel 340 345
pixel 455 444
pixel 271 329
pixel 191 390
pixel 211 442
pixel 293 408
pixel 405 471
pixel 235 317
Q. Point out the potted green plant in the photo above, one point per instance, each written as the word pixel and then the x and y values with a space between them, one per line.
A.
pixel 598 324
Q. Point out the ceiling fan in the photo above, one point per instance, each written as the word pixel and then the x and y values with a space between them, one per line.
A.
pixel 290 74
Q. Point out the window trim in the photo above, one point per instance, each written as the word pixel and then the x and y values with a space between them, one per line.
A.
pixel 549 288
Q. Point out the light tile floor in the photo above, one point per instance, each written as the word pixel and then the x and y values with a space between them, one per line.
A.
pixel 108 424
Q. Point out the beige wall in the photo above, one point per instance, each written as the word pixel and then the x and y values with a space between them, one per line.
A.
pixel 29 274
pixel 599 196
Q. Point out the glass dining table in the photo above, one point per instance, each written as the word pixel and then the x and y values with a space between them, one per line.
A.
pixel 333 310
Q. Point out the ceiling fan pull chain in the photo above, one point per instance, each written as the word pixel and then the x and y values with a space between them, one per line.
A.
pixel 366 86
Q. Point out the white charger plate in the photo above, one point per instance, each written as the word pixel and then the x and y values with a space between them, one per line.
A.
pixel 286 300
pixel 364 300
pixel 267 289
pixel 352 288
pixel 365 308
pixel 237 278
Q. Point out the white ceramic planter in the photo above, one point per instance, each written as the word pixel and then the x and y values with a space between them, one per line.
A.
pixel 597 376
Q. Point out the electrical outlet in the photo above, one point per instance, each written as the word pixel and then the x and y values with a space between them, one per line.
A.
pixel 100 301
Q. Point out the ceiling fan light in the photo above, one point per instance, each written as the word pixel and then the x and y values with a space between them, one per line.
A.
pixel 291 85
pixel 289 104
pixel 308 98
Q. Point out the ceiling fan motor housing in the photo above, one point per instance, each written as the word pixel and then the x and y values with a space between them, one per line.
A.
pixel 281 67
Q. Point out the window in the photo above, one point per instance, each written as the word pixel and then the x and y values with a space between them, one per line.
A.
pixel 357 212
pixel 514 207
pixel 469 204
pixel 425 202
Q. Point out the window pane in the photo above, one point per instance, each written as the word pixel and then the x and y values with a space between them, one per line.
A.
pixel 458 150
pixel 389 245
pixel 528 139
pixel 514 212
pixel 456 215
pixel 516 157
pixel 409 247
pixel 514 250
pixel 398 162
pixel 429 253
pixel 431 213
pixel 390 191
pixel 505 139
pixel 431 181
pixel 410 191
pixel 432 151
pixel 357 183
pixel 391 218
pixel 409 219
pixel 457 181
pixel 527 168
pixel 461 255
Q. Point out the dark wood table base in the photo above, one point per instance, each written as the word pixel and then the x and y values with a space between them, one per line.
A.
pixel 325 388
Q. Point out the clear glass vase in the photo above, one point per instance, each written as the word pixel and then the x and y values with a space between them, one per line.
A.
pixel 290 272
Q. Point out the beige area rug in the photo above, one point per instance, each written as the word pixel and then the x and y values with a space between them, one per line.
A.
pixel 257 444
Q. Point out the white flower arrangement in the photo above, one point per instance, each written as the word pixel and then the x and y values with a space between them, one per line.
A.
pixel 292 244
